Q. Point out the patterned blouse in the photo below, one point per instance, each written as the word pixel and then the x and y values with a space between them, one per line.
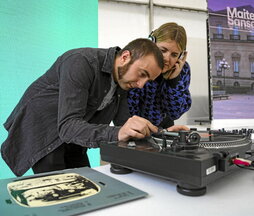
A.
pixel 160 99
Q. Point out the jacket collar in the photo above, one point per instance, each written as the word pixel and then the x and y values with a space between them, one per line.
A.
pixel 108 64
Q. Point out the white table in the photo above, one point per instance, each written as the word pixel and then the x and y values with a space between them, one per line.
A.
pixel 231 195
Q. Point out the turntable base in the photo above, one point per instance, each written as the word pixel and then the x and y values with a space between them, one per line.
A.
pixel 193 159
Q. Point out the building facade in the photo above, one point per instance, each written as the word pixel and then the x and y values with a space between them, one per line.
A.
pixel 231 34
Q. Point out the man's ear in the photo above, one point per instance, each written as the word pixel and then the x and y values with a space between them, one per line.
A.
pixel 125 57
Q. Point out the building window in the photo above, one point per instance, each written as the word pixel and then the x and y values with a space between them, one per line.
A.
pixel 218 69
pixel 235 31
pixel 252 86
pixel 219 34
pixel 218 56
pixel 236 65
pixel 251 36
pixel 252 69
pixel 235 35
pixel 219 29
pixel 252 66
pixel 219 83
pixel 251 61
pixel 236 84
pixel 236 68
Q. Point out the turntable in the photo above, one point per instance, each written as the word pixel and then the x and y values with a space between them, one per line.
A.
pixel 192 159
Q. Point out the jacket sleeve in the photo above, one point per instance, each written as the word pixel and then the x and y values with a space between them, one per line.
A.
pixel 123 111
pixel 76 76
pixel 176 98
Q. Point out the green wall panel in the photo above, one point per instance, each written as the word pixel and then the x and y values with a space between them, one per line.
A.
pixel 33 33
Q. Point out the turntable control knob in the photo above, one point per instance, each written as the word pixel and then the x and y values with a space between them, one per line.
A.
pixel 194 138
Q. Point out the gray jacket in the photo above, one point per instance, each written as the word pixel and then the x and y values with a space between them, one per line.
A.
pixel 61 107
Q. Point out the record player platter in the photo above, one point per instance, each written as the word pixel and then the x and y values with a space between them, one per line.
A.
pixel 191 158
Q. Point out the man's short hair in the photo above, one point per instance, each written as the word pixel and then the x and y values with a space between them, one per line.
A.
pixel 143 47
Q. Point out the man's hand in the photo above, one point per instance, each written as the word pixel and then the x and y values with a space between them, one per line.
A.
pixel 136 127
pixel 178 128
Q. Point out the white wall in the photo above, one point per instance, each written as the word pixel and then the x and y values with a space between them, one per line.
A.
pixel 121 22
pixel 198 4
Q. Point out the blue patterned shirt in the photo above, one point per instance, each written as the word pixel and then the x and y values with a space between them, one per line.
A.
pixel 161 98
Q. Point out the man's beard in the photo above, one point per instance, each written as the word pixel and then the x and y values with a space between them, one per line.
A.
pixel 121 70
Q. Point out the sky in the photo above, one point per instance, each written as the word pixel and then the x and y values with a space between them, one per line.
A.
pixel 220 4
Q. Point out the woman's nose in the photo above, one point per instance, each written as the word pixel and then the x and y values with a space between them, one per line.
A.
pixel 166 56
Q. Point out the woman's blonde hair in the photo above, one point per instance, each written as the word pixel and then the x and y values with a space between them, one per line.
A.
pixel 171 31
